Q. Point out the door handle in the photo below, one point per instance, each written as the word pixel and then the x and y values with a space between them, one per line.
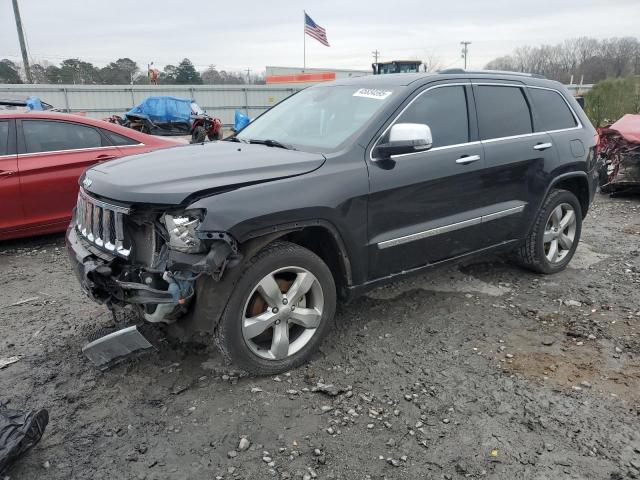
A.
pixel 103 158
pixel 6 173
pixel 543 146
pixel 467 159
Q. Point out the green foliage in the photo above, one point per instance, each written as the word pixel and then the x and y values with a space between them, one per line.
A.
pixel 9 72
pixel 610 99
pixel 74 70
pixel 186 74
pixel 120 72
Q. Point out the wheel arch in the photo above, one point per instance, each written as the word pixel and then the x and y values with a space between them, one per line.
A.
pixel 576 183
pixel 322 238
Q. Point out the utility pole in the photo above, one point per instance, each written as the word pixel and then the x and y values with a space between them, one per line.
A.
pixel 375 53
pixel 465 52
pixel 23 46
pixel 248 75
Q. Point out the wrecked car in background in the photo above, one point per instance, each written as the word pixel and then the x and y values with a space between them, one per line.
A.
pixel 167 116
pixel 619 152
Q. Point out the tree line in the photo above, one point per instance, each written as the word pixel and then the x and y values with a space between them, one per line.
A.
pixel 585 58
pixel 121 72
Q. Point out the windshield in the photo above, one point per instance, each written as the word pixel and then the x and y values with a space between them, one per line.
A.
pixel 317 119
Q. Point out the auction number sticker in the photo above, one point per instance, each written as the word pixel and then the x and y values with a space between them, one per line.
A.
pixel 372 93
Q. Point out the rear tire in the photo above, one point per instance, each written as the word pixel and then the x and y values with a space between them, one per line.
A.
pixel 265 330
pixel 215 136
pixel 554 237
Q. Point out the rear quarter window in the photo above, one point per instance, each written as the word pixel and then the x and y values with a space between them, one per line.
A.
pixel 502 111
pixel 119 140
pixel 552 111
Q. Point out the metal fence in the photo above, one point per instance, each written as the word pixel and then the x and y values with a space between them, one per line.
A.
pixel 99 101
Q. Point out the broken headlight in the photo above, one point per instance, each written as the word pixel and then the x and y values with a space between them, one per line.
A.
pixel 182 232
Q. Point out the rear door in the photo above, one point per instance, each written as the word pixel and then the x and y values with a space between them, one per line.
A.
pixel 553 115
pixel 11 214
pixel 51 156
pixel 516 156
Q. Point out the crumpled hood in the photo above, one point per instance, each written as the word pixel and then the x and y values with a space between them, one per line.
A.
pixel 170 175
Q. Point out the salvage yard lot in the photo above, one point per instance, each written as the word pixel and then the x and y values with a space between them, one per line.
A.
pixel 483 370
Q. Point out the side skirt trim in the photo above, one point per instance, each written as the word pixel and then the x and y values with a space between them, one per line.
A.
pixel 450 228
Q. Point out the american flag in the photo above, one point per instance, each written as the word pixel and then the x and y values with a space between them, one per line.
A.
pixel 314 30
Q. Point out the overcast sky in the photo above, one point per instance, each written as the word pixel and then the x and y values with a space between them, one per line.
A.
pixel 236 35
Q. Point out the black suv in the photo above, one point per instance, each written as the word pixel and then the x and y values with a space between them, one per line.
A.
pixel 335 190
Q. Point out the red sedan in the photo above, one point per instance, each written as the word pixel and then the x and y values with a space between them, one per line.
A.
pixel 42 154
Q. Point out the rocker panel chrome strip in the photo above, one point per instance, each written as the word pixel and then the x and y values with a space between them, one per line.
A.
pixel 449 228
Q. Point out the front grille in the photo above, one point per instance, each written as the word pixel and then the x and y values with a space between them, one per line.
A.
pixel 102 224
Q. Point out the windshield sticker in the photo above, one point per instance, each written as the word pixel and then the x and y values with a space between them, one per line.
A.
pixel 373 93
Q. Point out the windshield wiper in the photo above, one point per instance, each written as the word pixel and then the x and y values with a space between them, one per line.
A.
pixel 272 143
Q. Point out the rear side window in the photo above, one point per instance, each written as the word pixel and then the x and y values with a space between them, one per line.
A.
pixel 47 136
pixel 502 112
pixel 119 140
pixel 4 138
pixel 444 110
pixel 552 111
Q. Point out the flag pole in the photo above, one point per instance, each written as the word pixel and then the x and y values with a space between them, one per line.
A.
pixel 304 40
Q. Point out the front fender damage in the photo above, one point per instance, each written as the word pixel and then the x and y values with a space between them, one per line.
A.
pixel 213 293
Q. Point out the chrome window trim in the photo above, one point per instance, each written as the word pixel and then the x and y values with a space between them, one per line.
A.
pixel 445 147
pixel 108 147
pixel 393 122
pixel 8 155
pixel 512 137
pixel 488 140
pixel 450 228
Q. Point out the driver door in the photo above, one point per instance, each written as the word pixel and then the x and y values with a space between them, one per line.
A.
pixel 424 206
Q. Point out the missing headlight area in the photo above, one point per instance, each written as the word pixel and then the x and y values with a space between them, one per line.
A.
pixel 182 232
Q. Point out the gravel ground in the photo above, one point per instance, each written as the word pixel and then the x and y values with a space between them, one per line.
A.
pixel 479 371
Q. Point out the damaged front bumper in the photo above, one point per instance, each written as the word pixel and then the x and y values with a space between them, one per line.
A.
pixel 161 293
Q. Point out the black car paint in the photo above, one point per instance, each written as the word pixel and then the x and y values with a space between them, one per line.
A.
pixel 159 179
pixel 360 200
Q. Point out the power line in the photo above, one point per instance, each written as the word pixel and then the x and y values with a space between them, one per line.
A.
pixel 375 53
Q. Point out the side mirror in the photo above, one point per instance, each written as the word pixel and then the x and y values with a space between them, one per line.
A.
pixel 405 138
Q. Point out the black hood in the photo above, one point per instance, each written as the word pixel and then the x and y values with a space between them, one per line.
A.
pixel 171 175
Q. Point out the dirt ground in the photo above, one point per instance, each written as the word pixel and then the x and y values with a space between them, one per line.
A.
pixel 478 371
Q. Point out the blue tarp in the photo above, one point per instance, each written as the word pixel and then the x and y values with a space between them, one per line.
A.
pixel 164 109
pixel 241 121
pixel 34 103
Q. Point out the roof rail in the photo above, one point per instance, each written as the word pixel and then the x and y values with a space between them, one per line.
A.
pixel 501 72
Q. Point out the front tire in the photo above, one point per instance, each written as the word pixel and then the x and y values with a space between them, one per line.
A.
pixel 279 312
pixel 199 134
pixel 554 237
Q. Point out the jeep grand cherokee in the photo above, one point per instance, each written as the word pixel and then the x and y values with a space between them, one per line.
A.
pixel 335 190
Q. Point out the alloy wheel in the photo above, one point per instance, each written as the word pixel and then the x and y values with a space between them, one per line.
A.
pixel 559 233
pixel 282 313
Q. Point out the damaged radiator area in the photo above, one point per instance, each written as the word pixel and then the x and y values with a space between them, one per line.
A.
pixel 157 280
